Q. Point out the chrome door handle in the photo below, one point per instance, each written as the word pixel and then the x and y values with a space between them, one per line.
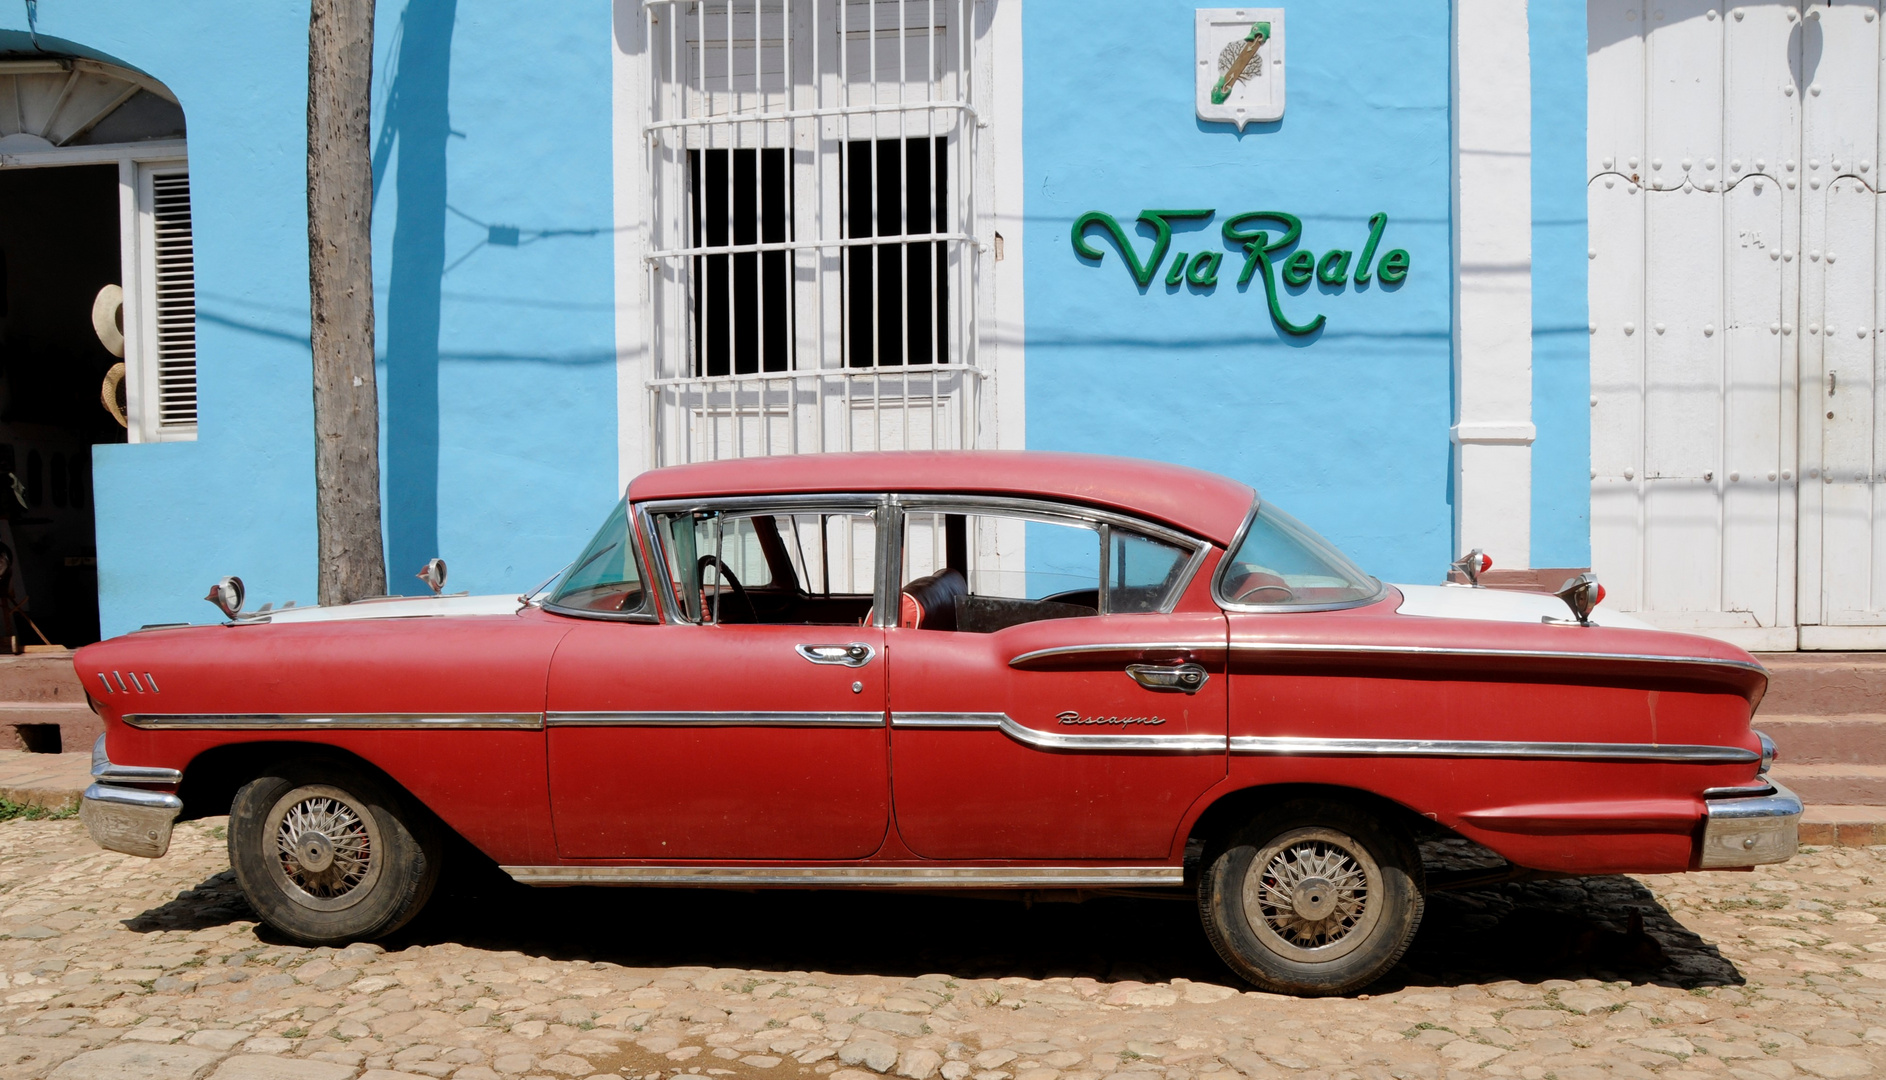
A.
pixel 1182 678
pixel 856 654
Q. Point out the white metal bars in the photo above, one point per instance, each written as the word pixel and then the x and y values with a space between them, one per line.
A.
pixel 811 261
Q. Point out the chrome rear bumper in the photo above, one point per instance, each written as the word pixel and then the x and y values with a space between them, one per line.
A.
pixel 129 819
pixel 1750 830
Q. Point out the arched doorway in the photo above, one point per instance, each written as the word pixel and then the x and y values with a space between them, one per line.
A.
pixel 97 317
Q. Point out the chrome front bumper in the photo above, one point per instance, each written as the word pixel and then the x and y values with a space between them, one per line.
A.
pixel 1750 830
pixel 126 818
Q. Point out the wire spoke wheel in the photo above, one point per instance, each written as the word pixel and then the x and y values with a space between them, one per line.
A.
pixel 327 850
pixel 1313 894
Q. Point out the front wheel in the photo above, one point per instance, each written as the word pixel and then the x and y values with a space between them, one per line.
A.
pixel 1312 898
pixel 330 855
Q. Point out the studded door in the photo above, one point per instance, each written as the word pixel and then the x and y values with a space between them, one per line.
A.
pixel 1732 157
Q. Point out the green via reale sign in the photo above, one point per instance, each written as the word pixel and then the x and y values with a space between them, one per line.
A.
pixel 1260 235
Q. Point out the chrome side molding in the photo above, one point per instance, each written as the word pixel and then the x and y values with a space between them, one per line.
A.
pixel 927 877
pixel 1109 649
pixel 1301 746
pixel 335 721
pixel 1298 746
pixel 106 771
pixel 1488 654
pixel 1054 740
pixel 714 719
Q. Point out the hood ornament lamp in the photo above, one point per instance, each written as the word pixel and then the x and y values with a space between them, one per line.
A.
pixel 1472 565
pixel 227 596
pixel 1581 594
pixel 433 574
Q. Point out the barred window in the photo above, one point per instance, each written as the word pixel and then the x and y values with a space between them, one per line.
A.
pixel 811 261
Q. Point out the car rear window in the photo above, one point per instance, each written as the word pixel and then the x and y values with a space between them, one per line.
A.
pixel 1283 562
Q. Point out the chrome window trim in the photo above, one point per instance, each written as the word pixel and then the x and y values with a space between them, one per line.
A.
pixel 1052 740
pixel 714 719
pixel 1517 654
pixel 848 503
pixel 644 614
pixel 1050 508
pixel 884 876
pixel 887 602
pixel 335 721
pixel 1675 753
pixel 641 615
pixel 1224 567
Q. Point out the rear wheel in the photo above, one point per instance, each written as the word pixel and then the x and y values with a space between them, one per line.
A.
pixel 1312 898
pixel 330 854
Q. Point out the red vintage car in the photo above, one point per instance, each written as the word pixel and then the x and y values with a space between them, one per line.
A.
pixel 1021 671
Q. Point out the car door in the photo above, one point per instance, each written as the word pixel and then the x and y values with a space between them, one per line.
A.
pixel 1063 697
pixel 706 735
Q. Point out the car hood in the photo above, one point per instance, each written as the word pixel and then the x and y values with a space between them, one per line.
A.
pixel 1498 605
pixel 394 607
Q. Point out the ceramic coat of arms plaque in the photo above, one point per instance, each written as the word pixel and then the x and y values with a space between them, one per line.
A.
pixel 1240 68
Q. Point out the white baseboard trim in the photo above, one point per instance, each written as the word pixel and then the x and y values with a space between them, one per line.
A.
pixel 1843 638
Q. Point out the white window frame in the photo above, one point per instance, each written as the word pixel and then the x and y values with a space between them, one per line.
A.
pixel 984 335
pixel 141 358
pixel 136 163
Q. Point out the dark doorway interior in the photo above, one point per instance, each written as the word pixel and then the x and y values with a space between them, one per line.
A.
pixel 59 245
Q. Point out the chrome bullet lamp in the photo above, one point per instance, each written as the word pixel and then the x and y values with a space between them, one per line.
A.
pixel 433 574
pixel 1472 565
pixel 1581 594
pixel 227 596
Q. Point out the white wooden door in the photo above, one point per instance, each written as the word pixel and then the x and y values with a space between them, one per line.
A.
pixel 1843 548
pixel 1692 129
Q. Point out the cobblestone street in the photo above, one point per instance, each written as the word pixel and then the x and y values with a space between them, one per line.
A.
pixel 115 967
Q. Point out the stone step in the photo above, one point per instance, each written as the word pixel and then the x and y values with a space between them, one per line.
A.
pixel 1835 785
pixel 43 707
pixel 1824 684
pixel 49 780
pixel 1843 826
pixel 1842 738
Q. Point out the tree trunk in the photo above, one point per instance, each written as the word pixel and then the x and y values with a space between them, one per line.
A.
pixel 340 285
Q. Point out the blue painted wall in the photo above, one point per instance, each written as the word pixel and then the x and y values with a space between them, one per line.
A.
pixel 1347 428
pixel 499 376
pixel 1561 343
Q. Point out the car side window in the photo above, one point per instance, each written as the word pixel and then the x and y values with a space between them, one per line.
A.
pixel 978 572
pixel 762 566
pixel 1142 571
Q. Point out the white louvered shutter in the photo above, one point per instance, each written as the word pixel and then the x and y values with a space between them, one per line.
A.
pixel 173 293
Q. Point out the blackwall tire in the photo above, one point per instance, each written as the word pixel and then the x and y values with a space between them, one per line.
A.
pixel 330 855
pixel 1312 898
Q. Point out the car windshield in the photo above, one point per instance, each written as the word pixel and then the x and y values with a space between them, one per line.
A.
pixel 605 577
pixel 1284 562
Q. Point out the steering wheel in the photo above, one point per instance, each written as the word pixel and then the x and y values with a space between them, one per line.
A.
pixel 726 575
pixel 1258 582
